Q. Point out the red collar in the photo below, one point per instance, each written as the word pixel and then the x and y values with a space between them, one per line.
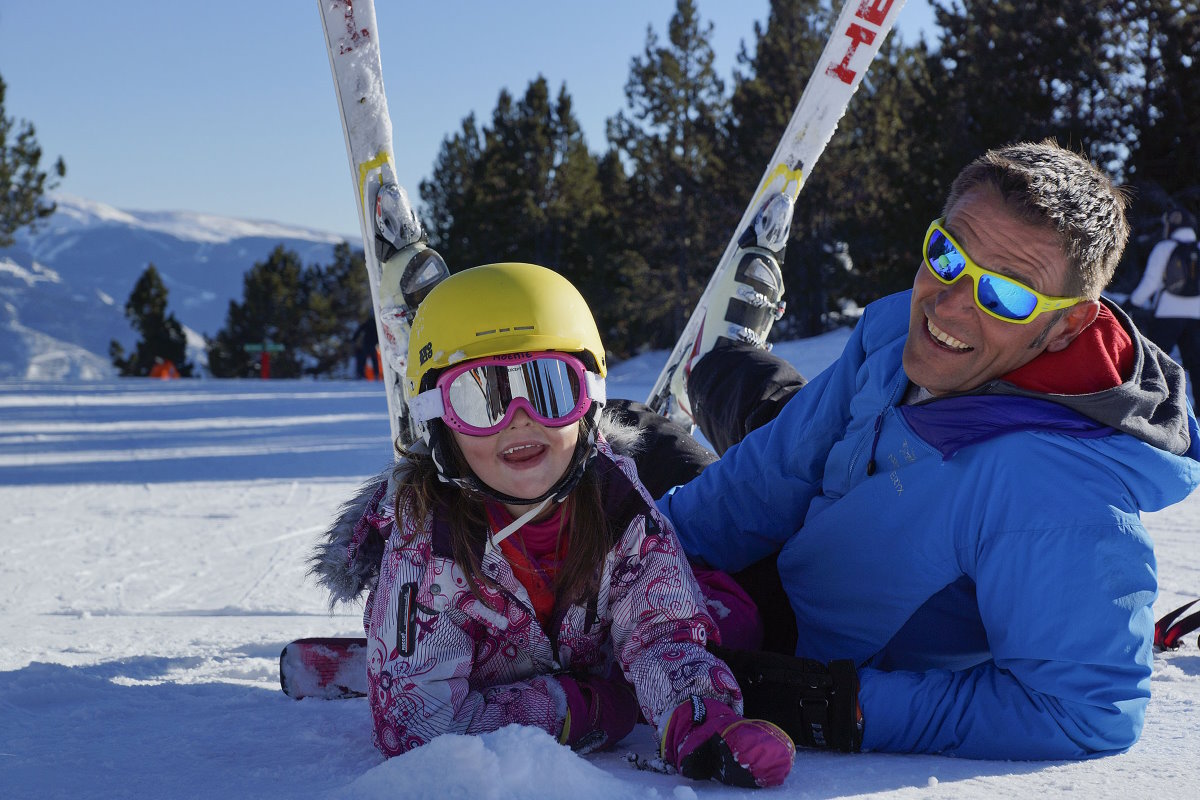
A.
pixel 1100 358
pixel 535 553
pixel 539 538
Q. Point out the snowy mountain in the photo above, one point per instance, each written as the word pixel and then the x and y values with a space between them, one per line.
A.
pixel 63 287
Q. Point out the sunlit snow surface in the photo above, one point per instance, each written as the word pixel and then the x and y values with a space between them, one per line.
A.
pixel 152 565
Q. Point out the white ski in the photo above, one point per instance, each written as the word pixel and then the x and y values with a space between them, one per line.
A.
pixel 748 273
pixel 401 268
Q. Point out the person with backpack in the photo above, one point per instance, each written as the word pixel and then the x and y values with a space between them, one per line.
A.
pixel 1170 287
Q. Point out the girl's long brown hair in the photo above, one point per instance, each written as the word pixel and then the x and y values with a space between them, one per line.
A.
pixel 587 524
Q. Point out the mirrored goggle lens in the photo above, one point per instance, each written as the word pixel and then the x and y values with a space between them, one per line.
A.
pixel 993 292
pixel 480 396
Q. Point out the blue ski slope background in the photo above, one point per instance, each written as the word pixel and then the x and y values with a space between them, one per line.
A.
pixel 152 545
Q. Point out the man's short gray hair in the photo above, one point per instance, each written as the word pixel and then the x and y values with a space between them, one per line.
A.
pixel 1045 184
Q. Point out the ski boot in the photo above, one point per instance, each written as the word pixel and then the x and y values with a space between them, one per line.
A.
pixel 409 269
pixel 747 299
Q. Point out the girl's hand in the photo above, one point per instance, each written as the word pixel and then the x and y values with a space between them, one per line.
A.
pixel 600 711
pixel 705 739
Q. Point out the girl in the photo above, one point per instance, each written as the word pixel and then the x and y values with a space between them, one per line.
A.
pixel 518 570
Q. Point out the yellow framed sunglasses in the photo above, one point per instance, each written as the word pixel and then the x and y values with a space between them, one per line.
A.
pixel 1002 297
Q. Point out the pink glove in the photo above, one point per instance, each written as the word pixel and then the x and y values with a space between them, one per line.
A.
pixel 707 739
pixel 600 711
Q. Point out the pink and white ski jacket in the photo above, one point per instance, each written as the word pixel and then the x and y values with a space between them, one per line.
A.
pixel 440 661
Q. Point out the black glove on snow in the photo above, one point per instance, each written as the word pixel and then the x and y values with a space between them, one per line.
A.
pixel 816 704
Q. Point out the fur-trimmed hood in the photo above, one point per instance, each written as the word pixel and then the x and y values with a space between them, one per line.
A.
pixel 346 559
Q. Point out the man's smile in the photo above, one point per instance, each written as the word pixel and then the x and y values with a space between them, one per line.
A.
pixel 945 338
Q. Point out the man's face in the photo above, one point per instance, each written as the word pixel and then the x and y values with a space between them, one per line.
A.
pixel 953 346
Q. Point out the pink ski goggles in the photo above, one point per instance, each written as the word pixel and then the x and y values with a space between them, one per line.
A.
pixel 479 397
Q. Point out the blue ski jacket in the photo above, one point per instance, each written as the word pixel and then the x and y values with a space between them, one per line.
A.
pixel 989 573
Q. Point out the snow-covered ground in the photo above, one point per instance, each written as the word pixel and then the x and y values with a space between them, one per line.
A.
pixel 153 538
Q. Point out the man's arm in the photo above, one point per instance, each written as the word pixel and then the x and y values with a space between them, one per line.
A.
pixel 1069 621
pixel 744 506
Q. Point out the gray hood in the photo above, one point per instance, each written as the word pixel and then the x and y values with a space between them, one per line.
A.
pixel 1150 405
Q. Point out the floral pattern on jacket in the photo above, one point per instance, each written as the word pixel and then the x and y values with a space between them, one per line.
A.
pixel 440 661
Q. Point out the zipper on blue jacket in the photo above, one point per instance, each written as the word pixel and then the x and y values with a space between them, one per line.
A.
pixel 875 442
pixel 902 381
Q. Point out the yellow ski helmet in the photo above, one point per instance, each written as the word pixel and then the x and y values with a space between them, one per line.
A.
pixel 498 309
pixel 494 310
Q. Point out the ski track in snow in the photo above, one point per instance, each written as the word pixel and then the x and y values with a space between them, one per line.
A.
pixel 152 565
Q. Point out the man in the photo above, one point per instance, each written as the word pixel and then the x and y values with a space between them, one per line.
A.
pixel 1170 287
pixel 952 506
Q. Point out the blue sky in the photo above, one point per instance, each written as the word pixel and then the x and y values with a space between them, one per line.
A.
pixel 228 108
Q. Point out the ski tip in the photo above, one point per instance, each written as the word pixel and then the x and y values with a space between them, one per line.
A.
pixel 328 668
pixel 283 681
pixel 1170 630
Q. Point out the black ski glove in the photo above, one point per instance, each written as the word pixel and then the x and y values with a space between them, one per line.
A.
pixel 816 704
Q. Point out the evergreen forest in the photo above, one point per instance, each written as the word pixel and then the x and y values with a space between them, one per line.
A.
pixel 638 221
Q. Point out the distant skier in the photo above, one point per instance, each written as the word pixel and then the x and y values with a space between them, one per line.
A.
pixel 518 570
pixel 1170 287
pixel 164 369
pixel 366 350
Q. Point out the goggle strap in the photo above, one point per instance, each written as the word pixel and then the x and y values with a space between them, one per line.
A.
pixel 494 540
pixel 596 388
pixel 426 406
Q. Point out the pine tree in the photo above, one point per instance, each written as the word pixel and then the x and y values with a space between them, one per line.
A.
pixel 22 199
pixel 1021 70
pixel 271 312
pixel 669 137
pixel 573 204
pixel 448 209
pixel 162 337
pixel 523 201
pixel 1166 145
pixel 769 82
pixel 337 299
pixel 621 275
pixel 523 188
pixel 1001 71
pixel 1161 38
pixel 514 173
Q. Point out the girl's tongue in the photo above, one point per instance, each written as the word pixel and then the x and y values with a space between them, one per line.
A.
pixel 522 453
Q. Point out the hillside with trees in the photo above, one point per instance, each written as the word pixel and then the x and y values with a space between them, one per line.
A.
pixel 639 225
pixel 638 221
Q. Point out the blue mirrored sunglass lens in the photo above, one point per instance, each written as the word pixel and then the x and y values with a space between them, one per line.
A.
pixel 481 396
pixel 943 257
pixel 1005 297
